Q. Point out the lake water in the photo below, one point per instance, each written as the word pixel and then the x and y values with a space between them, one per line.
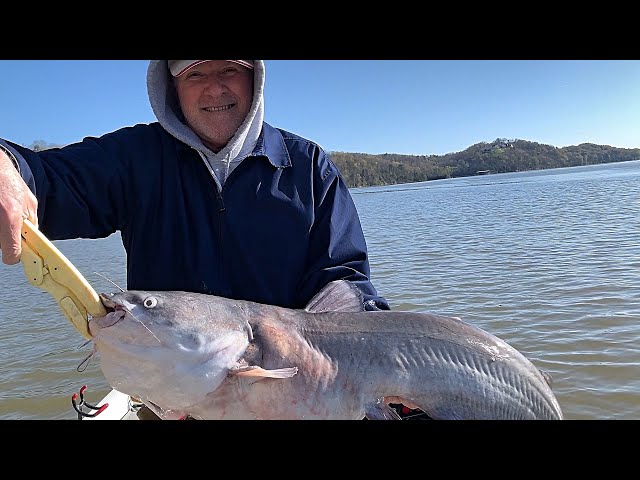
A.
pixel 547 260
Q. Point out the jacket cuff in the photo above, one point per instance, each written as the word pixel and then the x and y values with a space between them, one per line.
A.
pixel 11 156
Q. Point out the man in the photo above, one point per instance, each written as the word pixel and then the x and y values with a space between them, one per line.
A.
pixel 210 198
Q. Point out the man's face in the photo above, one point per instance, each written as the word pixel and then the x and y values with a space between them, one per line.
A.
pixel 215 98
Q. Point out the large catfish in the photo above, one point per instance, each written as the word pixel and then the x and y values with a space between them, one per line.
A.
pixel 208 357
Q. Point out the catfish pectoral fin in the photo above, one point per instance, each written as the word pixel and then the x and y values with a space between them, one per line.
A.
pixel 256 371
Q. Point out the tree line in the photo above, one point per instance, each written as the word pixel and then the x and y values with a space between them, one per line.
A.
pixel 500 156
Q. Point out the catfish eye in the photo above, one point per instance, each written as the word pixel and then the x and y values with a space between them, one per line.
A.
pixel 150 302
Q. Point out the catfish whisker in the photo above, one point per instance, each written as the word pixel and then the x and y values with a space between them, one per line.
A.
pixel 111 282
pixel 138 320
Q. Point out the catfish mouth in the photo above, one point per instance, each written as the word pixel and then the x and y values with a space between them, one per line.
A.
pixel 115 312
pixel 109 304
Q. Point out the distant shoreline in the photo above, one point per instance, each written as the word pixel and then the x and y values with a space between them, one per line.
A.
pixel 500 156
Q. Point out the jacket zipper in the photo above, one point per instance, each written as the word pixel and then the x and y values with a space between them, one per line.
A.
pixel 221 210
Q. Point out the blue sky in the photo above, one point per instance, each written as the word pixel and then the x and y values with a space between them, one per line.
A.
pixel 416 107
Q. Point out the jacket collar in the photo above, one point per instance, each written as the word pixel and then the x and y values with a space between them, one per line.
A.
pixel 271 145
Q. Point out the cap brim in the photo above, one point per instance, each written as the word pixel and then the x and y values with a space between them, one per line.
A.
pixel 178 67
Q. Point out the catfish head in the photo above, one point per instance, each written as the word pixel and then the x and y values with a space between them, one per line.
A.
pixel 169 348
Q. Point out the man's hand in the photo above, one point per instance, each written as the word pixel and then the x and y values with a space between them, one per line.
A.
pixel 17 202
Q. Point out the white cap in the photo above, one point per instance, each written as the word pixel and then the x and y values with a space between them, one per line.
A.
pixel 178 67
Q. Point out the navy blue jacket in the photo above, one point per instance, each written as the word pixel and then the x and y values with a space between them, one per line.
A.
pixel 283 226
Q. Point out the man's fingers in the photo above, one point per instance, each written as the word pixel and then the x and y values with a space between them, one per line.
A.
pixel 31 216
pixel 17 203
pixel 11 244
pixel 32 206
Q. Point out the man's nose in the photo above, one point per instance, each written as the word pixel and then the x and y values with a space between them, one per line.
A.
pixel 215 86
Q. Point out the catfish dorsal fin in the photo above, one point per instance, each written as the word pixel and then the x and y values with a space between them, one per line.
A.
pixel 337 296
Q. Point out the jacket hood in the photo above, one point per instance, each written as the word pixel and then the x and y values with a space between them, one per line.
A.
pixel 164 102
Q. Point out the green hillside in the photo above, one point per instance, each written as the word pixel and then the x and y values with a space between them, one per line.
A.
pixel 499 156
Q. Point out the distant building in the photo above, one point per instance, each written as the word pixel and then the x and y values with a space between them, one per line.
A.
pixel 496 145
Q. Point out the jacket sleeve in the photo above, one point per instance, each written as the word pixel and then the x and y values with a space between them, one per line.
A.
pixel 80 187
pixel 338 248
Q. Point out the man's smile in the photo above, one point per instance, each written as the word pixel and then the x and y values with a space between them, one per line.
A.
pixel 218 109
